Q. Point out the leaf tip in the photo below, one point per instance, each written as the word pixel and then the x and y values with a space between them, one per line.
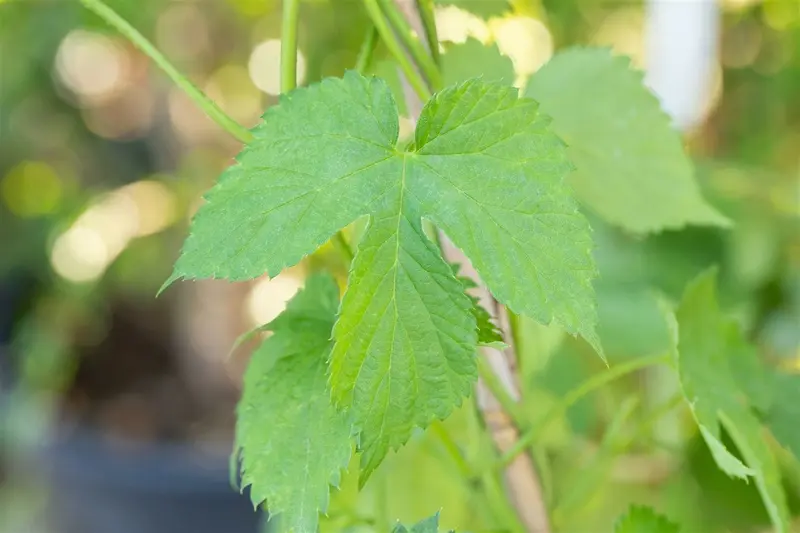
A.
pixel 170 280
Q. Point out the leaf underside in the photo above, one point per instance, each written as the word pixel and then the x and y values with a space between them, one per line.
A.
pixel 631 165
pixel 291 441
pixel 484 167
pixel 707 346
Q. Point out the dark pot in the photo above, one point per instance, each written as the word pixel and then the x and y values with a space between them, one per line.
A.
pixel 100 487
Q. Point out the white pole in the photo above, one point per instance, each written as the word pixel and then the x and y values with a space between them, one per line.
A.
pixel 681 39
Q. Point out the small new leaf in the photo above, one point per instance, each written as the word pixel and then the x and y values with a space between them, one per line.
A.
pixel 631 166
pixel 705 345
pixel 485 168
pixel 292 442
pixel 428 525
pixel 641 519
pixel 488 333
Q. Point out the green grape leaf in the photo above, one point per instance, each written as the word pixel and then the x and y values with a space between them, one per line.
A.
pixel 484 168
pixel 641 519
pixel 784 412
pixel 705 342
pixel 472 58
pixel 631 166
pixel 291 441
pixel 428 525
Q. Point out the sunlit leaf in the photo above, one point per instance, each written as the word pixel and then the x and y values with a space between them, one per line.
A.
pixel 484 168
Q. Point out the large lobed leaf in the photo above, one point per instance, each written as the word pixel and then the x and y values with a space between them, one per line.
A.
pixel 292 442
pixel 710 353
pixel 631 166
pixel 484 167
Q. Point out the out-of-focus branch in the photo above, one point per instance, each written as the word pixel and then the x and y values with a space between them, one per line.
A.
pixel 521 478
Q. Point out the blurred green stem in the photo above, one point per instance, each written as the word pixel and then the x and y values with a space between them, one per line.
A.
pixel 402 29
pixel 364 59
pixel 646 426
pixel 489 488
pixel 450 446
pixel 500 392
pixel 339 242
pixel 396 48
pixel 291 12
pixel 425 9
pixel 567 401
pixel 204 102
pixel 497 500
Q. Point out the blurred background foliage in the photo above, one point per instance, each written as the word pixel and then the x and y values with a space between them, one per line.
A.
pixel 102 162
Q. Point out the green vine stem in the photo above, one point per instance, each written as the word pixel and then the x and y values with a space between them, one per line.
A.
pixel 612 446
pixel 364 60
pixel 484 485
pixel 412 44
pixel 113 19
pixel 291 13
pixel 568 400
pixel 500 392
pixel 389 38
pixel 339 241
pixel 425 9
pixel 497 500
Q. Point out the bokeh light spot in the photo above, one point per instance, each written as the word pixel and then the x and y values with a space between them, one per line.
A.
pixel 91 65
pixel 268 297
pixel 32 189
pixel 104 230
pixel 79 255
pixel 264 66
pixel 525 40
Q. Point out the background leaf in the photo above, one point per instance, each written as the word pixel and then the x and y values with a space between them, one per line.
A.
pixel 428 525
pixel 706 342
pixel 631 166
pixel 783 417
pixel 472 58
pixel 640 519
pixel 482 8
